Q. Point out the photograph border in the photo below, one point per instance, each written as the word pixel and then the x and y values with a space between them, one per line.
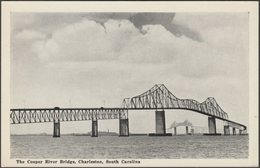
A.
pixel 136 6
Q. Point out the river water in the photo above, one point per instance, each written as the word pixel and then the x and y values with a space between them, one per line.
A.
pixel 138 147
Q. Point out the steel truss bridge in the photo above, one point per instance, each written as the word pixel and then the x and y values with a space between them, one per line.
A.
pixel 22 116
pixel 156 98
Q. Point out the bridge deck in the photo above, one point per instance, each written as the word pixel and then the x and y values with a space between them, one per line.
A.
pixel 29 115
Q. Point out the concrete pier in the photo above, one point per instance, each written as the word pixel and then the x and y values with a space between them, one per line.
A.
pixel 56 129
pixel 212 125
pixel 175 130
pixel 94 132
pixel 240 132
pixel 234 131
pixel 192 131
pixel 123 127
pixel 187 130
pixel 160 122
pixel 226 130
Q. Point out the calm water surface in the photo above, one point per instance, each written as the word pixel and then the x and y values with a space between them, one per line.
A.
pixel 138 147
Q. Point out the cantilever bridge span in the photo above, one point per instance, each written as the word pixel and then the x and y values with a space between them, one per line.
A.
pixel 158 98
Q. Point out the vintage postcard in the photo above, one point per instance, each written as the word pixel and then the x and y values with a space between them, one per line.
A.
pixel 129 84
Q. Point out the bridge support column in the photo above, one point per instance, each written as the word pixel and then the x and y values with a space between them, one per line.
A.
pixel 240 132
pixel 192 131
pixel 160 122
pixel 212 125
pixel 123 127
pixel 175 130
pixel 234 131
pixel 187 130
pixel 226 130
pixel 94 132
pixel 56 129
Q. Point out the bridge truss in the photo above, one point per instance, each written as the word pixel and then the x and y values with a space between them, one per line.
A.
pixel 159 97
pixel 20 116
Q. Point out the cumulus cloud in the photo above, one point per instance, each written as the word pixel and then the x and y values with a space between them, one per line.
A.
pixel 216 28
pixel 29 35
pixel 146 38
pixel 167 21
pixel 118 40
pixel 49 22
pixel 122 41
pixel 115 39
pixel 141 19
pixel 87 41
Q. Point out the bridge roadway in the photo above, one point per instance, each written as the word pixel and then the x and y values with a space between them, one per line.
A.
pixel 158 98
pixel 57 115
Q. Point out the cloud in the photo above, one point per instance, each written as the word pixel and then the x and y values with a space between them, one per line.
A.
pixel 167 21
pixel 46 50
pixel 204 21
pixel 121 41
pixel 29 35
pixel 117 40
pixel 219 22
pixel 120 37
pixel 43 22
pixel 49 22
pixel 87 41
pixel 141 19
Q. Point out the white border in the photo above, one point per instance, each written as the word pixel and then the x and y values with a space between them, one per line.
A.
pixel 187 6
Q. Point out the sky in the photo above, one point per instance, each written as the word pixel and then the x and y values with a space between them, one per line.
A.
pixel 98 59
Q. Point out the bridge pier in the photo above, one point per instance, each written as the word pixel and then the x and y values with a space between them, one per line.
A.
pixel 187 130
pixel 175 130
pixel 226 130
pixel 123 127
pixel 192 131
pixel 234 131
pixel 94 132
pixel 160 122
pixel 212 125
pixel 56 129
pixel 240 132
